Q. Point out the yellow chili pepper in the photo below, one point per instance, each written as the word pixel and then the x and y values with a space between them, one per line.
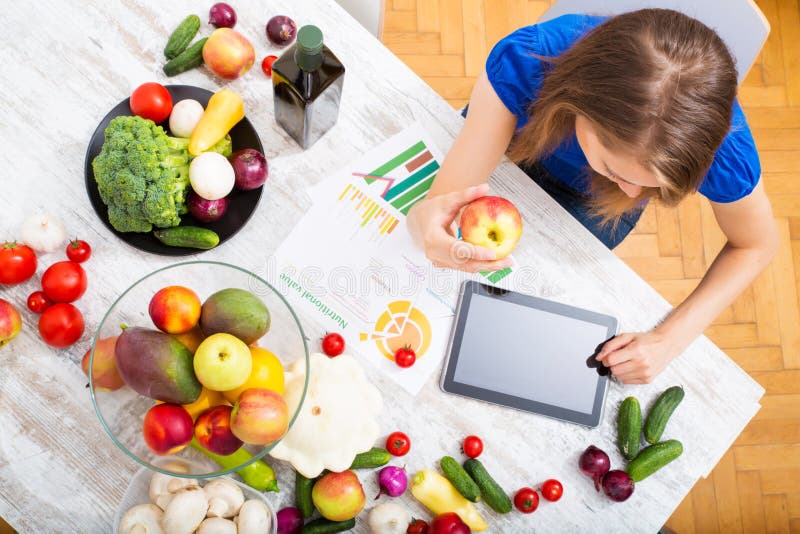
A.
pixel 224 110
pixel 440 497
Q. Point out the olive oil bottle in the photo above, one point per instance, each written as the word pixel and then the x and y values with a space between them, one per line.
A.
pixel 307 80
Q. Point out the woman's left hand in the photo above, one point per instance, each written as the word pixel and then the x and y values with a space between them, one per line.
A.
pixel 638 358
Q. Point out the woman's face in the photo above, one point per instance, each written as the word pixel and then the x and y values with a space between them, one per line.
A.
pixel 622 169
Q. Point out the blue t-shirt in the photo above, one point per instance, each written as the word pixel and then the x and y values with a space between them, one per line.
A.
pixel 516 75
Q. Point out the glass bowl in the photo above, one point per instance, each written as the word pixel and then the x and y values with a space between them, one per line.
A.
pixel 138 490
pixel 122 411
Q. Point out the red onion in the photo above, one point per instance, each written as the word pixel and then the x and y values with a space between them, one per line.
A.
pixel 594 463
pixel 206 210
pixel 393 481
pixel 222 15
pixel 290 521
pixel 617 485
pixel 250 168
pixel 281 30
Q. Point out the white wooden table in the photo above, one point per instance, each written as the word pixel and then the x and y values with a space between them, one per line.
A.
pixel 66 63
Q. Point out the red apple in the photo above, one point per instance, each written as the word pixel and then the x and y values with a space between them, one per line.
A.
pixel 213 430
pixel 175 309
pixel 492 222
pixel 339 496
pixel 228 54
pixel 260 417
pixel 104 367
pixel 167 428
pixel 10 322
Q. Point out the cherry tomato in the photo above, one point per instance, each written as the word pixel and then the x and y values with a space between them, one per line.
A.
pixel 151 101
pixel 398 444
pixel 61 325
pixel 526 500
pixel 266 65
pixel 17 263
pixel 552 490
pixel 38 302
pixel 472 446
pixel 405 357
pixel 64 281
pixel 417 526
pixel 449 523
pixel 78 250
pixel 333 345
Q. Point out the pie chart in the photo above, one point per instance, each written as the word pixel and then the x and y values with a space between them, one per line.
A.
pixel 400 325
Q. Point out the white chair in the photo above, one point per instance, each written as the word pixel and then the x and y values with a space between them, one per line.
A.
pixel 367 12
pixel 739 22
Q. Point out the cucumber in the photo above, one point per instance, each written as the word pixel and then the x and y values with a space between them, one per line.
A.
pixel 188 236
pixel 629 427
pixel 375 457
pixel 492 493
pixel 660 413
pixel 325 526
pixel 188 59
pixel 182 36
pixel 460 479
pixel 654 458
pixel 302 494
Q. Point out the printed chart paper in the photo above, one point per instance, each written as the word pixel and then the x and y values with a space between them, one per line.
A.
pixel 352 263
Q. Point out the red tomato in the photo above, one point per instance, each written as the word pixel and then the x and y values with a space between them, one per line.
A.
pixel 64 281
pixel 266 65
pixel 405 357
pixel 417 526
pixel 17 263
pixel 398 444
pixel 151 101
pixel 38 302
pixel 526 500
pixel 61 325
pixel 552 490
pixel 472 446
pixel 449 523
pixel 333 345
pixel 78 251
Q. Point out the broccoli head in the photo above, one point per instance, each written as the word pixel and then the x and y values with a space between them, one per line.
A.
pixel 142 174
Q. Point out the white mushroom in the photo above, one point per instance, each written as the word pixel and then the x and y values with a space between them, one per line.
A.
pixel 142 519
pixel 224 498
pixel 217 525
pixel 186 511
pixel 164 487
pixel 253 518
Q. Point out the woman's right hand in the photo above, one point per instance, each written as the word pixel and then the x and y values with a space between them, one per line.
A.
pixel 431 223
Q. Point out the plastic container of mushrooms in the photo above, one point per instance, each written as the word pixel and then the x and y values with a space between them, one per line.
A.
pixel 157 503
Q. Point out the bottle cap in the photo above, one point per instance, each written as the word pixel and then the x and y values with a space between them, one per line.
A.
pixel 309 40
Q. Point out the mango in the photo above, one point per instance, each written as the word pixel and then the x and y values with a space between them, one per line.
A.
pixel 237 312
pixel 156 365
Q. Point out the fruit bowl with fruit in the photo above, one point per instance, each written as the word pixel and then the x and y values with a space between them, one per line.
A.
pixel 188 364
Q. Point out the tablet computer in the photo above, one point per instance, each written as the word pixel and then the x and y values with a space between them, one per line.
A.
pixel 528 353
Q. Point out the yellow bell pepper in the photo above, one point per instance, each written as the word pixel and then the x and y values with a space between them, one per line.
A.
pixel 225 108
pixel 440 497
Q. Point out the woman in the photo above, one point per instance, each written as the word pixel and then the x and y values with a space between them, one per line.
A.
pixel 605 114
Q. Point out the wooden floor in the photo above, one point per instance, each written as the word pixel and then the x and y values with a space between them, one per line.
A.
pixel 756 486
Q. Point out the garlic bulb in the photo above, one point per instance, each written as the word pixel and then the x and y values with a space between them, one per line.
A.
pixel 43 232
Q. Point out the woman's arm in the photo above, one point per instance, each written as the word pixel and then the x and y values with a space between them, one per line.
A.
pixel 483 140
pixel 752 243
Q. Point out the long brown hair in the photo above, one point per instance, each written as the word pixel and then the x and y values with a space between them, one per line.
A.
pixel 654 83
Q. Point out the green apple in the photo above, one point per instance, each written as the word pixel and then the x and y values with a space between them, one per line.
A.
pixel 222 362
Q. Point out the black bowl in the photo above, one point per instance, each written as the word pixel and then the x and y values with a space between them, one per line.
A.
pixel 242 203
